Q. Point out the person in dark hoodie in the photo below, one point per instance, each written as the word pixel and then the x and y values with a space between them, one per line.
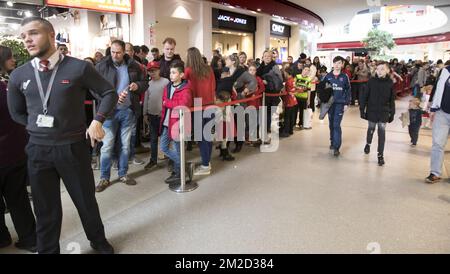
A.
pixel 341 99
pixel 377 105
pixel 168 57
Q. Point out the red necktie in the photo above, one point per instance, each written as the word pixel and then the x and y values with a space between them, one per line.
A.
pixel 43 65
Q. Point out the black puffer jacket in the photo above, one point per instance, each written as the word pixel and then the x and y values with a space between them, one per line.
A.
pixel 107 69
pixel 377 103
pixel 164 65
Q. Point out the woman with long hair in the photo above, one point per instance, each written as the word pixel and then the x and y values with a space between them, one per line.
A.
pixel 203 85
pixel 13 170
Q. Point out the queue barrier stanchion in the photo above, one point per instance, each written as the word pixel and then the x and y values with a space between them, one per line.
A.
pixel 264 119
pixel 184 186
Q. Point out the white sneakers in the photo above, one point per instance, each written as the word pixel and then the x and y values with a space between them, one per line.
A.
pixel 202 170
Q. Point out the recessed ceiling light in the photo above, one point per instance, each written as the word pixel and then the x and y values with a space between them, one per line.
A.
pixel 259 10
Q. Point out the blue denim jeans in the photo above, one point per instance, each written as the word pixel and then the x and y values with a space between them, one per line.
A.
pixel 133 138
pixel 335 115
pixel 441 127
pixel 173 152
pixel 120 126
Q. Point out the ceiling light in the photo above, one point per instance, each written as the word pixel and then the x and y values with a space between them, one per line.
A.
pixel 28 13
pixel 10 3
pixel 259 10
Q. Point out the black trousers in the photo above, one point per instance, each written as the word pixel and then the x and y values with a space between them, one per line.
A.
pixel 290 118
pixel 302 105
pixel 271 102
pixel 414 133
pixel 47 165
pixel 13 181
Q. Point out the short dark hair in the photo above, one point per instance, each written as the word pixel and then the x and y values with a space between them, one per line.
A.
pixel 5 55
pixel 303 56
pixel 145 49
pixel 179 65
pixel 338 58
pixel 62 45
pixel 169 40
pixel 439 61
pixel 137 49
pixel 289 71
pixel 43 21
pixel 155 50
pixel 120 43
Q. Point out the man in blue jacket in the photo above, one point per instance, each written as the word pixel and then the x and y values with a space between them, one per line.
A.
pixel 342 97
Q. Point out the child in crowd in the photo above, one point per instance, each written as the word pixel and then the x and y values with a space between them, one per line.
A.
pixel 152 108
pixel 290 105
pixel 303 94
pixel 177 94
pixel 415 120
pixel 252 69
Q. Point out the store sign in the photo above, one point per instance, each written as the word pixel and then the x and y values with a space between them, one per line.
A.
pixel 280 29
pixel 119 6
pixel 232 19
pixel 222 19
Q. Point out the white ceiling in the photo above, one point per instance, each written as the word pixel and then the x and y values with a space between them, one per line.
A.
pixel 338 13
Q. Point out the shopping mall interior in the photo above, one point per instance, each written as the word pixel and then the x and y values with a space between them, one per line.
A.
pixel 278 195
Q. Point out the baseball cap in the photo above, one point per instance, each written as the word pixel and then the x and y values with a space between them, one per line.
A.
pixel 153 65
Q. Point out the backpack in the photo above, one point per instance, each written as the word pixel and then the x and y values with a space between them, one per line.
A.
pixel 274 83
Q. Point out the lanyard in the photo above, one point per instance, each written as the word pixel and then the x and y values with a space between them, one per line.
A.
pixel 44 99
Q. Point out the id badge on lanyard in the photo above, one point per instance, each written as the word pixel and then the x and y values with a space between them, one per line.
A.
pixel 44 120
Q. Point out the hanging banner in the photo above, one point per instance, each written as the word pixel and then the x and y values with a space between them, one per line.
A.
pixel 118 6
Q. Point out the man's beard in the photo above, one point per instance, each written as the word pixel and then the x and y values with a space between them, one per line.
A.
pixel 44 50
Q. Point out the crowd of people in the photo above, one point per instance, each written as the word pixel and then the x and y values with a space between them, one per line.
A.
pixel 44 117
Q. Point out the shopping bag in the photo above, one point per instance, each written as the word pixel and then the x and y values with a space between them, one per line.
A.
pixel 307 118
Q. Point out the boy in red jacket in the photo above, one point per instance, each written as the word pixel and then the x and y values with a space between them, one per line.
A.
pixel 177 95
pixel 290 105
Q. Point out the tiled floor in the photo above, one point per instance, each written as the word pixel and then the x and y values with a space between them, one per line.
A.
pixel 298 199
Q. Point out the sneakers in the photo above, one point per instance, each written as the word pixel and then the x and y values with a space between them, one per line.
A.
pixel 127 180
pixel 103 247
pixel 367 149
pixel 381 160
pixel 150 165
pixel 432 179
pixel 137 161
pixel 336 153
pixel 102 185
pixel 202 170
pixel 173 178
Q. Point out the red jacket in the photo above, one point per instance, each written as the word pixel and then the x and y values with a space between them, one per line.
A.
pixel 182 97
pixel 202 88
pixel 259 90
pixel 289 100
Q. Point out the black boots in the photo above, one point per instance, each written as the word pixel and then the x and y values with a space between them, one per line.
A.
pixel 367 149
pixel 238 147
pixel 381 160
pixel 225 154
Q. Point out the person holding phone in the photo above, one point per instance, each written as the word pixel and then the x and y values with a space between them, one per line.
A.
pixel 129 81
